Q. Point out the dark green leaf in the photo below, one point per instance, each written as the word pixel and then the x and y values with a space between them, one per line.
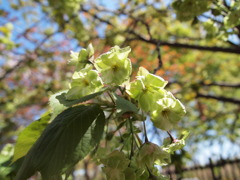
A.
pixel 68 139
pixel 124 106
pixel 61 98
pixel 59 103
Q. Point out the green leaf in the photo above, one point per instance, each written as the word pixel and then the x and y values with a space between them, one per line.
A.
pixel 68 139
pixel 61 98
pixel 232 19
pixel 55 104
pixel 188 9
pixel 29 136
pixel 124 105
pixel 5 159
pixel 59 103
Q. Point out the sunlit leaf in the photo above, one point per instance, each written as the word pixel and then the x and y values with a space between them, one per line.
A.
pixel 59 103
pixel 29 136
pixel 69 138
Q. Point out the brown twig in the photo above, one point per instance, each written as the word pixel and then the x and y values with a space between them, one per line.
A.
pixel 160 63
pixel 219 98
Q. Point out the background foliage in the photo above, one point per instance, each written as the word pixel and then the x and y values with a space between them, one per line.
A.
pixel 193 44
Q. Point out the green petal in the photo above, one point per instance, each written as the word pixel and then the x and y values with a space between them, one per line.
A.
pixel 155 81
pixel 169 111
pixel 148 154
pixel 114 66
pixel 166 102
pixel 113 174
pixel 162 123
pixel 90 50
pixel 179 107
pixel 83 56
pixel 134 89
pixel 142 72
pixel 116 160
pixel 84 82
pixel 74 58
pixel 147 100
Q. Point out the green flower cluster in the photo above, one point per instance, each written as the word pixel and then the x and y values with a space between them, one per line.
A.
pixel 115 165
pixel 146 95
pixel 118 167
pixel 149 153
pixel 142 164
pixel 148 89
pixel 111 68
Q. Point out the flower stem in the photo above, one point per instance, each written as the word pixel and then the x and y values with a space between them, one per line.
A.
pixel 145 132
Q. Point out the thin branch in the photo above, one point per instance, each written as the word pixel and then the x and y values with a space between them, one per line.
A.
pixel 159 58
pixel 171 137
pixel 221 85
pixel 226 4
pixel 233 126
pixel 203 48
pixel 218 164
pixel 96 16
pixel 9 71
pixel 233 44
pixel 145 132
pixel 111 97
pixel 186 46
pixel 28 58
pixel 234 50
pixel 132 140
pixel 219 98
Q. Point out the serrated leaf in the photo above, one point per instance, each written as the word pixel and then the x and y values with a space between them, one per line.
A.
pixel 55 105
pixel 124 106
pixel 59 103
pixel 68 139
pixel 29 136
pixel 61 98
